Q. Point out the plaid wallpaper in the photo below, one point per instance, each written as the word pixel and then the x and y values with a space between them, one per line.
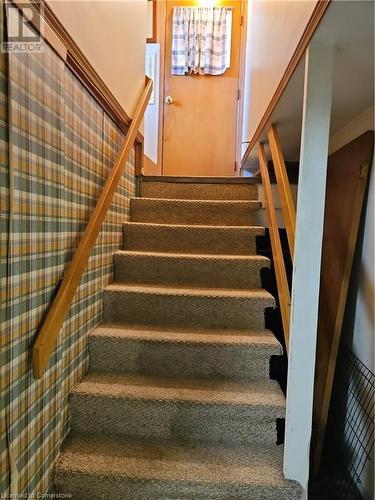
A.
pixel 57 146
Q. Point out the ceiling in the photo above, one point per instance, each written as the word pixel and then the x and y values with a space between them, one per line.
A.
pixel 349 27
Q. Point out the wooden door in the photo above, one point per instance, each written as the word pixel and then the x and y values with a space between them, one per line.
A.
pixel 200 126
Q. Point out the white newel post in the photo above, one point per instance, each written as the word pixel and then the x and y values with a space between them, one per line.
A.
pixel 307 261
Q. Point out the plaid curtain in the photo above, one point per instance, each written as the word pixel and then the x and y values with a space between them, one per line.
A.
pixel 199 41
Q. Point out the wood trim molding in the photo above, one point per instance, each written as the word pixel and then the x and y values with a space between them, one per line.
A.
pixel 150 167
pixel 161 14
pixel 139 158
pixel 61 41
pixel 153 39
pixel 241 85
pixel 315 18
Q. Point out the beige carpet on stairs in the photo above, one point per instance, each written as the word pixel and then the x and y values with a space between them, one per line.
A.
pixel 178 403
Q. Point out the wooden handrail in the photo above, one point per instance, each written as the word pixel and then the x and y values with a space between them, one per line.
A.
pixel 285 193
pixel 55 317
pixel 278 259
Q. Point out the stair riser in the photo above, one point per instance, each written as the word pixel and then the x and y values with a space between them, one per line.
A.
pixel 195 191
pixel 186 310
pixel 187 212
pixel 179 359
pixel 185 271
pixel 185 239
pixel 82 487
pixel 174 420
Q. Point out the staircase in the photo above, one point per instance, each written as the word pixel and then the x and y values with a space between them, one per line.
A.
pixel 178 403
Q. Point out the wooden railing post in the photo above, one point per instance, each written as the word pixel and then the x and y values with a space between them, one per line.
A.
pixel 54 319
pixel 285 193
pixel 277 253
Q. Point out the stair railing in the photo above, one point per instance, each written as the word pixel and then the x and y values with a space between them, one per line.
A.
pixel 285 193
pixel 289 215
pixel 51 326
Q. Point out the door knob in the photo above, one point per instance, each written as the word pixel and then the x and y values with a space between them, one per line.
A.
pixel 168 100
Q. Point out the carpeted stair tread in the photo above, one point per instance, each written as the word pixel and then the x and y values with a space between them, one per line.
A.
pixel 201 179
pixel 170 255
pixel 118 469
pixel 251 204
pixel 183 352
pixel 179 290
pixel 265 394
pixel 177 409
pixel 185 238
pixel 223 190
pixel 177 305
pixel 226 271
pixel 259 339
pixel 201 212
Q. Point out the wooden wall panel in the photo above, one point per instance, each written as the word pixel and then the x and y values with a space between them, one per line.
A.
pixel 348 170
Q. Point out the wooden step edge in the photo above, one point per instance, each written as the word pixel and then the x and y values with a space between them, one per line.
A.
pixel 201 180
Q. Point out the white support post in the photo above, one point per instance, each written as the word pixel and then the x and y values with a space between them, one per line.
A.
pixel 307 260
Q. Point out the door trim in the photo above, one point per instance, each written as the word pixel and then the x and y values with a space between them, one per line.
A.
pixel 161 10
pixel 241 85
pixel 161 20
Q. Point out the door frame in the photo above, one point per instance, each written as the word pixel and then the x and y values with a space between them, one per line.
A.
pixel 161 21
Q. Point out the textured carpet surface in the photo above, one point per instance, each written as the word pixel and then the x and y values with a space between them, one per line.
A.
pixel 262 396
pixel 177 409
pixel 231 354
pixel 188 306
pixel 121 469
pixel 203 212
pixel 196 191
pixel 222 271
pixel 178 403
pixel 172 238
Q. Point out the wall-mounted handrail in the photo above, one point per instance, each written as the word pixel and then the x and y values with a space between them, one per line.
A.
pixel 285 193
pixel 277 253
pixel 55 317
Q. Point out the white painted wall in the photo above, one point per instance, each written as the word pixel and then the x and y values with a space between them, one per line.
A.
pixel 261 216
pixel 274 28
pixel 112 35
